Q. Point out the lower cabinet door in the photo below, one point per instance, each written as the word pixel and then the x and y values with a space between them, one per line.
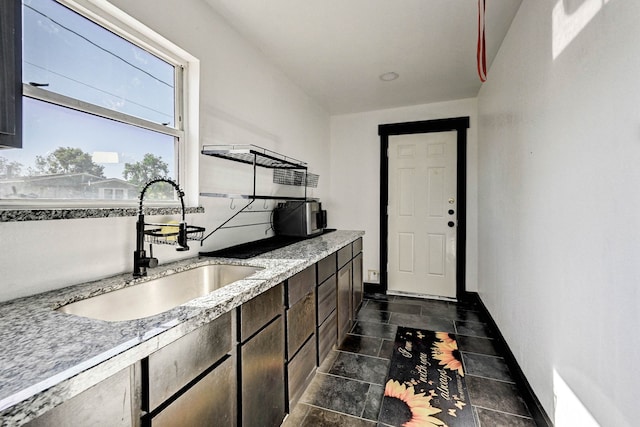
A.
pixel 300 323
pixel 344 301
pixel 358 284
pixel 262 377
pixel 210 402
pixel 327 336
pixel 326 299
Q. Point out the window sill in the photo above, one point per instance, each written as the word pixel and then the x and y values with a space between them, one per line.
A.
pixel 15 215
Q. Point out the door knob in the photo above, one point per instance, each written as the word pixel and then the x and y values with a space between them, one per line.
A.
pixel 451 223
pixel 451 212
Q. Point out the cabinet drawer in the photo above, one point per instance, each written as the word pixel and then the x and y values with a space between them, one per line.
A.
pixel 326 268
pixel 301 370
pixel 299 285
pixel 344 255
pixel 259 311
pixel 211 401
pixel 110 403
pixel 357 246
pixel 300 323
pixel 327 336
pixel 175 365
pixel 326 299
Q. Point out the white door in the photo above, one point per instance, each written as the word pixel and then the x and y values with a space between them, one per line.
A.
pixel 422 214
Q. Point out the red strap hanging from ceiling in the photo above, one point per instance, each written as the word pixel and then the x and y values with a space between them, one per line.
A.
pixel 481 54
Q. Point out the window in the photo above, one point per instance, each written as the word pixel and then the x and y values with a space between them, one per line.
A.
pixel 102 110
pixel 113 193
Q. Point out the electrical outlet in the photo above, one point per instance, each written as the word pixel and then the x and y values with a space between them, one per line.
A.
pixel 373 275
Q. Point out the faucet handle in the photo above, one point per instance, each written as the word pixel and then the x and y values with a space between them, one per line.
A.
pixel 151 262
pixel 182 237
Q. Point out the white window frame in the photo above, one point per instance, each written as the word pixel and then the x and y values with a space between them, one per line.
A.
pixel 186 133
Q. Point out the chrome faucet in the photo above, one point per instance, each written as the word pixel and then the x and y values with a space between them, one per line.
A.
pixel 140 260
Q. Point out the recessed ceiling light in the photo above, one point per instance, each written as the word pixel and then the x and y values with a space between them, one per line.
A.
pixel 387 77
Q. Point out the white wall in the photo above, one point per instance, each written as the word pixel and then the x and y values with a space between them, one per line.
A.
pixel 559 211
pixel 355 173
pixel 243 99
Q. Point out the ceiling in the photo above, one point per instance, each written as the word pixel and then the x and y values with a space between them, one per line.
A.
pixel 335 50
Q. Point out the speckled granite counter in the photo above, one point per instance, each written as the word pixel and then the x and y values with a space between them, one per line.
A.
pixel 13 215
pixel 48 357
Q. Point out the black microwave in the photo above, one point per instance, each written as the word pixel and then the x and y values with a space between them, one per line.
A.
pixel 299 218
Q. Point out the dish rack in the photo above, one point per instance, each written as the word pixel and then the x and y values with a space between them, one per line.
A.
pixel 286 171
pixel 294 177
pixel 167 233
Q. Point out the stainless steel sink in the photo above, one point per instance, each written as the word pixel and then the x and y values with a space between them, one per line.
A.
pixel 159 295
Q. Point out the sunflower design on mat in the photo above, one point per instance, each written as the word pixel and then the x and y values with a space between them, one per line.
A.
pixel 448 355
pixel 445 337
pixel 418 406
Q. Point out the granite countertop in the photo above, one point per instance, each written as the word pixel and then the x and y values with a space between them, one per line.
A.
pixel 48 357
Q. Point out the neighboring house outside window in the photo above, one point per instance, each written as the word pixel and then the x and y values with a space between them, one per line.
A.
pixel 67 186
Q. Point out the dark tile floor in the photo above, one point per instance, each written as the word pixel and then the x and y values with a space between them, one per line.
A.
pixel 347 389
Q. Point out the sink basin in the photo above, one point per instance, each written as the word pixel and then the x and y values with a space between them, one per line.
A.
pixel 158 295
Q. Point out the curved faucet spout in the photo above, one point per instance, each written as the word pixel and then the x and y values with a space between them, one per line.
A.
pixel 168 181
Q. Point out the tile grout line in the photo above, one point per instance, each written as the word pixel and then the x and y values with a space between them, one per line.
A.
pixel 350 379
pixel 337 412
pixel 360 354
pixel 476 336
pixel 489 378
pixel 380 349
pixel 482 354
pixel 366 399
pixel 504 412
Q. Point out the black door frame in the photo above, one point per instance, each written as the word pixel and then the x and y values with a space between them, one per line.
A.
pixel 459 124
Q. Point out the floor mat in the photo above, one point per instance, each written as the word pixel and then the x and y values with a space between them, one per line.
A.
pixel 425 385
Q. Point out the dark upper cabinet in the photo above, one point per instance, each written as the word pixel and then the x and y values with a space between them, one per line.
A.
pixel 11 74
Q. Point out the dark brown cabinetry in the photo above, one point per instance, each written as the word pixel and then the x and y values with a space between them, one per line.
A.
pixel 175 365
pixel 345 310
pixel 350 290
pixel 326 314
pixel 358 283
pixel 340 293
pixel 211 401
pixel 326 267
pixel 301 343
pixel 192 381
pixel 262 357
pixel 113 402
